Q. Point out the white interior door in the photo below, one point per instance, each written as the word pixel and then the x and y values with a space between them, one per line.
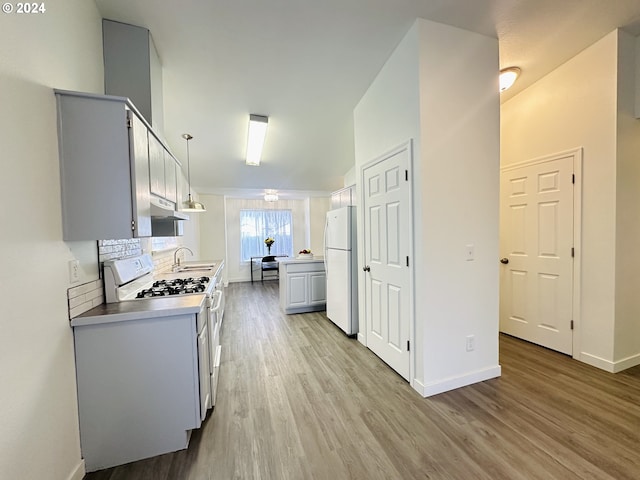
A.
pixel 536 243
pixel 386 219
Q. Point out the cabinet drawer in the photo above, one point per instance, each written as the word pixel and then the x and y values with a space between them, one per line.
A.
pixel 304 267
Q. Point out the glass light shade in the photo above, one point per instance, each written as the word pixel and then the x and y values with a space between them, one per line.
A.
pixel 270 197
pixel 508 77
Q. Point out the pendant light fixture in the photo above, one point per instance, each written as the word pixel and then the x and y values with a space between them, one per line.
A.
pixel 191 205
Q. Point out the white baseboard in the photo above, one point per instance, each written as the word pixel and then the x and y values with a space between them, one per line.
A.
pixel 79 472
pixel 625 363
pixel 608 365
pixel 441 386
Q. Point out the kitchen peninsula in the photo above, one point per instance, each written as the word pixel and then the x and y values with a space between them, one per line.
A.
pixel 302 284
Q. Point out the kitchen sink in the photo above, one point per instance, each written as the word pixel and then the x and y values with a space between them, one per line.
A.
pixel 194 268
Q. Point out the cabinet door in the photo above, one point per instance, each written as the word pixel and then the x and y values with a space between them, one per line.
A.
pixel 156 167
pixel 170 177
pixel 317 288
pixel 297 290
pixel 182 188
pixel 99 194
pixel 139 152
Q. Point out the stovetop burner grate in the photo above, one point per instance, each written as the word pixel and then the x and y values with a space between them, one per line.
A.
pixel 177 286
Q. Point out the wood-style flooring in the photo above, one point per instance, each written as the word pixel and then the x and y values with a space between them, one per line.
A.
pixel 299 400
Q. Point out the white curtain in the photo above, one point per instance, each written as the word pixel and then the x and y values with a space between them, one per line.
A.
pixel 257 225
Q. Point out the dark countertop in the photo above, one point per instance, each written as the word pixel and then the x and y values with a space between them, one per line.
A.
pixel 141 309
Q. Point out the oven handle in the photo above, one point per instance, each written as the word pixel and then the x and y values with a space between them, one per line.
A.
pixel 218 293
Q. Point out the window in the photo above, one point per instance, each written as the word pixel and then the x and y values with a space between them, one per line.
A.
pixel 256 225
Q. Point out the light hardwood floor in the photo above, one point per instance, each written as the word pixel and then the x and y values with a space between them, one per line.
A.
pixel 299 400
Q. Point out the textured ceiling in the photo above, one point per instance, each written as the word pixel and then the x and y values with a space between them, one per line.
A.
pixel 306 64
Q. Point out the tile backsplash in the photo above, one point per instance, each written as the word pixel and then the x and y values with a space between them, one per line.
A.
pixel 84 297
pixel 113 249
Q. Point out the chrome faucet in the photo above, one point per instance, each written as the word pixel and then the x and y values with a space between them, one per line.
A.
pixel 176 260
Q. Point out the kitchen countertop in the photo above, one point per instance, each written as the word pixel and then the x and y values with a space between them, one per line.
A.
pixel 299 260
pixel 141 309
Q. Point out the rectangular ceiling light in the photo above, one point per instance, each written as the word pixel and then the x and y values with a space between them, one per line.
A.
pixel 257 133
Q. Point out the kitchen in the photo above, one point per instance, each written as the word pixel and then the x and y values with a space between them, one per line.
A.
pixel 64 48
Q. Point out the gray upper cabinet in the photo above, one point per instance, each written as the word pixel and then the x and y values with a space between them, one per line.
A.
pixel 132 69
pixel 162 170
pixel 104 168
pixel 156 167
pixel 170 178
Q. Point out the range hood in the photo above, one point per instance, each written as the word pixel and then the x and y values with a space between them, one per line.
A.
pixel 161 208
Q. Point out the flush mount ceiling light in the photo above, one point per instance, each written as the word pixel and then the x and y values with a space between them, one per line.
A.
pixel 190 205
pixel 255 140
pixel 507 77
pixel 270 195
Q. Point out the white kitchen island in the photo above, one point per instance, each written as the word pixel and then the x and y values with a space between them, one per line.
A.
pixel 303 284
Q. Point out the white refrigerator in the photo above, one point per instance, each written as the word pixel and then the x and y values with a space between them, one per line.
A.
pixel 341 265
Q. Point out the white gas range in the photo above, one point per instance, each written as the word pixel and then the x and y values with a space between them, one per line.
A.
pixel 133 278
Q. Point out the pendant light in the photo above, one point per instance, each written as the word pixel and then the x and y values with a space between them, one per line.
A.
pixel 191 205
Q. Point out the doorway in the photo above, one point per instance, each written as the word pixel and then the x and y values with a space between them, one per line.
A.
pixel 539 245
pixel 386 214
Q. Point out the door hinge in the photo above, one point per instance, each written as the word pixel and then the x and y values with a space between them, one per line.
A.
pixel 129 123
pixel 406 175
pixel 573 178
pixel 571 324
pixel 573 252
pixel 133 225
pixel 408 345
pixel 407 260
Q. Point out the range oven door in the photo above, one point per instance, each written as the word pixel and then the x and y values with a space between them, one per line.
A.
pixel 220 288
pixel 215 320
pixel 204 360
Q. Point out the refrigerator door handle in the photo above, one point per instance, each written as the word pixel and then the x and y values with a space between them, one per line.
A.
pixel 326 227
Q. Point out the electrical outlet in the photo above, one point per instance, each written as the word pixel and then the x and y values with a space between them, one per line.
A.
pixel 471 343
pixel 74 271
pixel 469 252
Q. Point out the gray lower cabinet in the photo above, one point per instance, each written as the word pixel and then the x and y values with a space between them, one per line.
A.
pixel 302 286
pixel 138 388
pixel 104 167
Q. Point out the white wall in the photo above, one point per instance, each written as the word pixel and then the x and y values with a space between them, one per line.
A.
pixel 387 116
pixel 575 106
pixel 460 128
pixel 439 88
pixel 62 48
pixel 213 229
pixel 318 208
pixel 627 316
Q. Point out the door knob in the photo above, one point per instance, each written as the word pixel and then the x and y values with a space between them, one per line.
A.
pixel 366 268
pixel 504 260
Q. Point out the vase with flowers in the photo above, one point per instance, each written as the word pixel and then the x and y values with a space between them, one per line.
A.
pixel 268 242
